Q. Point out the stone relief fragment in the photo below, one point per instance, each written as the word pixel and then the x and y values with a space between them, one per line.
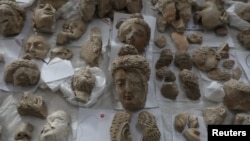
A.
pixel 191 84
pixel 87 9
pixel 92 48
pixel 165 58
pixel 228 64
pixel 149 126
pixel 32 105
pixel 57 127
pixel 237 95
pixel 195 38
pixel 241 119
pixel 120 129
pixel 181 121
pixel 61 52
pixel 83 82
pixel 12 18
pixel 22 72
pixel 37 46
pixel 183 60
pixel 135 31
pixel 192 134
pixel 205 58
pixel 214 115
pixel 193 121
pixel 72 30
pixel 160 41
pixel 24 132
pixel 169 90
pixel 127 49
pixel 219 74
pixel 243 37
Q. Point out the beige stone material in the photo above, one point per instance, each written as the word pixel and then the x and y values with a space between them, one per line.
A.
pixel 214 115
pixel 192 134
pixel 193 121
pixel 61 52
pixel 160 41
pixel 168 9
pixel 195 38
pixel 55 3
pixel 103 7
pixel 219 74
pixel 181 41
pixel 223 50
pixel 161 24
pixel 181 121
pixel 24 132
pixel 87 9
pixel 134 6
pixel 169 90
pixel 165 58
pixel 244 12
pixel 241 119
pixel 183 60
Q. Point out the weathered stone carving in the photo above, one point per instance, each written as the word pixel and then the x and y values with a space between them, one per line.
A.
pixel 12 18
pixel 180 121
pixel 61 52
pixel 192 134
pixel 72 30
pixel 169 90
pixel 92 48
pixel 135 31
pixel 193 121
pixel 228 64
pixel 24 132
pixel 88 8
pixel 55 3
pixel 134 6
pixel 103 7
pixel 57 127
pixel 219 74
pixel 131 74
pixel 165 58
pixel 205 58
pixel 22 72
pixel 32 105
pixel 149 126
pixel 160 41
pixel 237 95
pixel 83 83
pixel 180 41
pixel 167 9
pixel 127 49
pixel 241 119
pixel 183 60
pixel 191 85
pixel 119 130
pixel 244 12
pixel 243 36
pixel 214 115
pixel 223 50
pixel 195 38
pixel 236 73
pixel 37 46
pixel 166 74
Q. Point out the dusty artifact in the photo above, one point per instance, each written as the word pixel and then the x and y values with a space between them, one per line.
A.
pixel 61 52
pixel 22 72
pixel 195 38
pixel 180 41
pixel 219 74
pixel 168 9
pixel 24 132
pixel 236 73
pixel 32 105
pixel 181 121
pixel 92 48
pixel 243 36
pixel 183 60
pixel 160 41
pixel 57 127
pixel 128 49
pixel 241 119
pixel 169 90
pixel 205 58
pixel 134 6
pixel 103 7
pixel 193 121
pixel 120 130
pixel 119 4
pixel 44 18
pixel 37 46
pixel 191 85
pixel 184 9
pixel 149 126
pixel 12 18
pixel 161 24
pixel 228 64
pixel 72 30
pixel 82 84
pixel 223 50
pixel 88 8
pixel 55 3
pixel 192 134
pixel 131 74
pixel 237 95
pixel 135 31
pixel 165 58
pixel 179 26
pixel 214 115
pixel 166 74
pixel 244 12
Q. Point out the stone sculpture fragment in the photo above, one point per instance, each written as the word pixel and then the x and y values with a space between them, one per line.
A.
pixel 61 52
pixel 24 132
pixel 214 115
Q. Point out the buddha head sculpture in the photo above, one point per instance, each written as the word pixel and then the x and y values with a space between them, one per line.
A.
pixel 12 18
pixel 57 127
pixel 22 72
pixel 44 18
pixel 135 31
pixel 131 74
pixel 72 29
pixel 55 3
pixel 37 46
pixel 88 8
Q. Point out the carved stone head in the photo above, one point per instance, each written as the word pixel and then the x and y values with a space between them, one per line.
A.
pixel 135 31
pixel 131 74
pixel 12 18
pixel 88 8
pixel 55 3
pixel 37 46
pixel 44 18
pixel 57 127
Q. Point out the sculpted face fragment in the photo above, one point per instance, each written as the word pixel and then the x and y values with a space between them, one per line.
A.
pixel 135 31
pixel 44 18
pixel 131 80
pixel 37 46
pixel 83 83
pixel 24 132
pixel 72 29
pixel 57 127
pixel 12 18
pixel 88 8
pixel 22 72
pixel 119 130
pixel 61 52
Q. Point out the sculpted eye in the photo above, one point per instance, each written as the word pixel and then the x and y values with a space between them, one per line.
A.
pixel 120 83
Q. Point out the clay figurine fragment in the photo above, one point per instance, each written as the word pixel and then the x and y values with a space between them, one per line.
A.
pixel 120 130
pixel 149 126
pixel 195 38
pixel 92 48
pixel 82 84
pixel 237 95
pixel 87 9
pixel 219 74
pixel 61 52
pixel 165 58
pixel 24 132
pixel 160 41
pixel 243 36
pixel 169 90
pixel 22 72
pixel 167 9
pixel 181 121
pixel 32 105
pixel 12 18
pixel 161 24
pixel 57 127
pixel 183 60
pixel 191 85
pixel 241 119
pixel 128 49
pixel 166 74
pixel 214 115
pixel 192 134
